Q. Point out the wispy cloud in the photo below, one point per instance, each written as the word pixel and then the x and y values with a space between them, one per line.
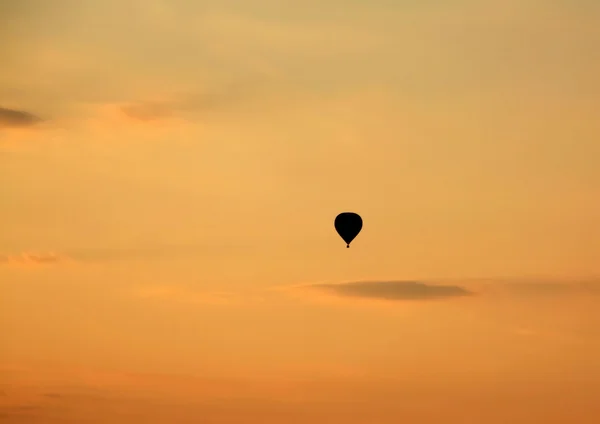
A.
pixel 31 258
pixel 154 252
pixel 53 395
pixel 540 288
pixel 147 111
pixel 79 393
pixel 12 118
pixel 392 290
pixel 211 100
pixel 102 255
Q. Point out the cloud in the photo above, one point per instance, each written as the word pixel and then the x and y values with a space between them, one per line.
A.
pixel 147 111
pixel 544 288
pixel 212 100
pixel 12 118
pixel 102 255
pixel 53 395
pixel 152 252
pixel 88 395
pixel 28 258
pixel 541 288
pixel 393 290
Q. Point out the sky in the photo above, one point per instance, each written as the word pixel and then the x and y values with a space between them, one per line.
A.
pixel 169 176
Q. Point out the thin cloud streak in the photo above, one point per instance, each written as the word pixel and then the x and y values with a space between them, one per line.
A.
pixel 147 111
pixel 211 100
pixel 393 290
pixel 100 255
pixel 541 288
pixel 151 252
pixel 29 258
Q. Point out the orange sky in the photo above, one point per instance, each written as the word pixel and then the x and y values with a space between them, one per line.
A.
pixel 170 172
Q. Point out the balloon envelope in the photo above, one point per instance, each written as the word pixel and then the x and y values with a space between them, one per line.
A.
pixel 348 225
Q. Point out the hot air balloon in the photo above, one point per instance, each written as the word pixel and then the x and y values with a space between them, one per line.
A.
pixel 348 225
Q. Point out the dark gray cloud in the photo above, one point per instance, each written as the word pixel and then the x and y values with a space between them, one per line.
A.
pixel 393 290
pixel 17 118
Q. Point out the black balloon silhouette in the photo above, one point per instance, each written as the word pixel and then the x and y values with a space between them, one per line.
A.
pixel 348 225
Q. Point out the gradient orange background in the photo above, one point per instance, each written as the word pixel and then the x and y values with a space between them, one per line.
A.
pixel 164 225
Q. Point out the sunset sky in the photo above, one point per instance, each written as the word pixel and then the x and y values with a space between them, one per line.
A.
pixel 169 176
